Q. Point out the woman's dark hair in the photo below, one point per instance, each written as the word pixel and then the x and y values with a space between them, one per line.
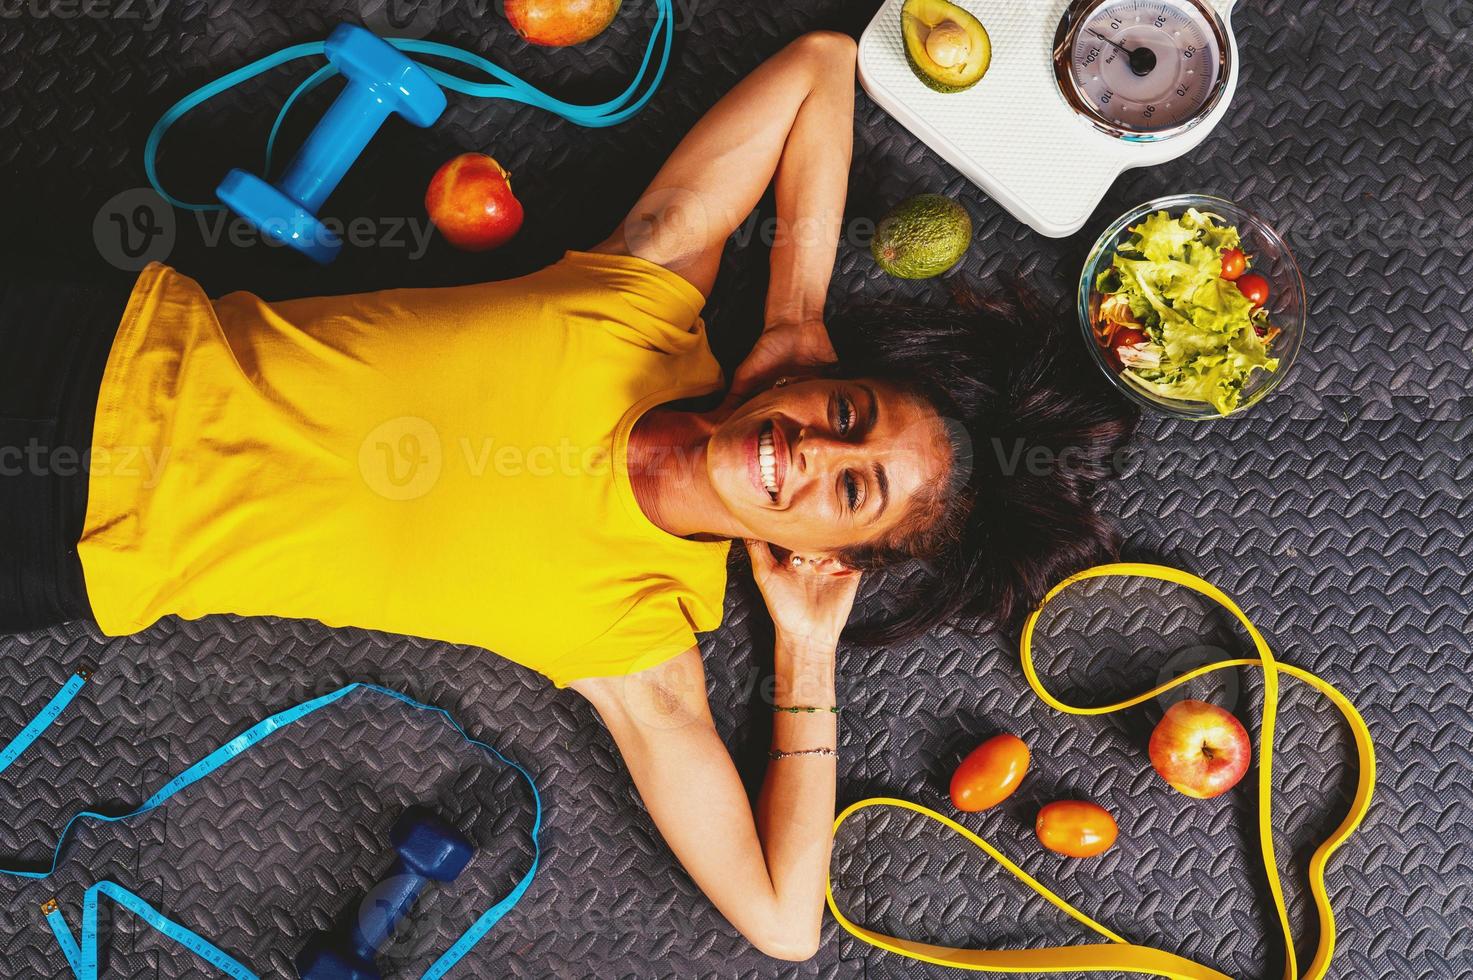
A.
pixel 1034 431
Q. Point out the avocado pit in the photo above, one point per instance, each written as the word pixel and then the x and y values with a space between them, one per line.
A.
pixel 947 44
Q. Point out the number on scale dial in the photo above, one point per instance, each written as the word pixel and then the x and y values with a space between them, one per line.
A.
pixel 1146 66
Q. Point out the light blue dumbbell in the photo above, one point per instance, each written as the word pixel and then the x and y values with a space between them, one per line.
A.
pixel 382 81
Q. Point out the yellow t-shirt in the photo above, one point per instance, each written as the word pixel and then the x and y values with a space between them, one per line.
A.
pixel 445 463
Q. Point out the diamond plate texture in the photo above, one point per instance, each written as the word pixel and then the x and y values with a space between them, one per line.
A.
pixel 1337 513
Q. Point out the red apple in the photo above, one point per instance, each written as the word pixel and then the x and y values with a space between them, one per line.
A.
pixel 559 23
pixel 470 201
pixel 1200 749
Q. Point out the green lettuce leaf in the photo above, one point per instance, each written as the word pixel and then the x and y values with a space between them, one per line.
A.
pixel 1170 269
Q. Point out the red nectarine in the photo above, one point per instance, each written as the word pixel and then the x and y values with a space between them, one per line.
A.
pixel 470 201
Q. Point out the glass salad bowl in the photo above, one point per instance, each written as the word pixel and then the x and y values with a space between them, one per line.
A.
pixel 1269 257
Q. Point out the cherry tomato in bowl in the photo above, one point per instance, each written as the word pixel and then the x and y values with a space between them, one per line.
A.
pixel 1234 264
pixel 1255 287
pixel 1129 337
pixel 990 773
pixel 1075 828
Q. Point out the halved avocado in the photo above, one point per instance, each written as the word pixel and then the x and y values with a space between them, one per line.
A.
pixel 946 46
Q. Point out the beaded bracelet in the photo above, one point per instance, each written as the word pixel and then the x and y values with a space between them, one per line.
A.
pixel 802 708
pixel 775 754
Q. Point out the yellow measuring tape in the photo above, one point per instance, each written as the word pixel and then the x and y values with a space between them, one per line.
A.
pixel 1118 955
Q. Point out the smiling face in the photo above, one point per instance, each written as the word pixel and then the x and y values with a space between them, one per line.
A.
pixel 821 465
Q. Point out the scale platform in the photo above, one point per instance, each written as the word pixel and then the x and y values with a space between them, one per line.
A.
pixel 1013 134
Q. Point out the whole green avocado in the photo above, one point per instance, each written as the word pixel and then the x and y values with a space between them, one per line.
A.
pixel 922 237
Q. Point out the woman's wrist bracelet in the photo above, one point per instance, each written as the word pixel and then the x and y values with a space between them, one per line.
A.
pixel 796 709
pixel 776 754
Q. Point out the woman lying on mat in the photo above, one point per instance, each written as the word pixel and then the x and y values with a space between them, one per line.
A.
pixel 505 465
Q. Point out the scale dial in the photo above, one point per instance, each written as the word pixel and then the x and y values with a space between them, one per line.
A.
pixel 1142 70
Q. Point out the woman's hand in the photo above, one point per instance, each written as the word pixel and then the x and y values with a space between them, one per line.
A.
pixel 809 603
pixel 783 348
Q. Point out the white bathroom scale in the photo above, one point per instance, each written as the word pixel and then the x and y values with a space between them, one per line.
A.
pixel 1078 91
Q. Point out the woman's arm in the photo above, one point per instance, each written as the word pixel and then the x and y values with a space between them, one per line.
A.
pixel 793 119
pixel 764 872
pixel 765 875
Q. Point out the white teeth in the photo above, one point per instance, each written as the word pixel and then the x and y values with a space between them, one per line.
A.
pixel 767 462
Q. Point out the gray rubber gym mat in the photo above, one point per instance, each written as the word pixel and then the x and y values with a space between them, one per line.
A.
pixel 1337 514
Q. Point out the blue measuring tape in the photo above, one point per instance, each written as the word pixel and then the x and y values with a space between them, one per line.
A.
pixel 43 718
pixel 81 953
pixel 507 86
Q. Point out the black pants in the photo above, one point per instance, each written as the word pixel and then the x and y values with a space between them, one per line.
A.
pixel 54 342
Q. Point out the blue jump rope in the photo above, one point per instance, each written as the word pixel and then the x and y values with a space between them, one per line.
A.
pixel 82 953
pixel 382 81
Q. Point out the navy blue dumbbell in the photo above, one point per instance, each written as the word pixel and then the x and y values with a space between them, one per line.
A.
pixel 382 82
pixel 428 849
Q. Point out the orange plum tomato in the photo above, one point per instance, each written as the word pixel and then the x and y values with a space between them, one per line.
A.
pixel 990 773
pixel 1075 828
